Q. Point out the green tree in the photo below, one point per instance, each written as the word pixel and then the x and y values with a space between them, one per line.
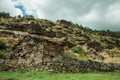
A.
pixel 19 16
pixel 4 15
pixel 29 17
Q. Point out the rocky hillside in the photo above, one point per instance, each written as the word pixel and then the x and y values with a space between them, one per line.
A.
pixel 29 42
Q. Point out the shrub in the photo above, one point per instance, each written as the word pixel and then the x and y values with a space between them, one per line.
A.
pixel 4 53
pixel 2 44
pixel 77 49
pixel 6 45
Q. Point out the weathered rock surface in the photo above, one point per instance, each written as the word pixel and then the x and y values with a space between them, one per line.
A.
pixel 11 33
pixel 43 53
pixel 43 43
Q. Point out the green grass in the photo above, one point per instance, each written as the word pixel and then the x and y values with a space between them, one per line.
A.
pixel 59 76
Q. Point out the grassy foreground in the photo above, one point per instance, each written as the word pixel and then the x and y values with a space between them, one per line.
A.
pixel 58 76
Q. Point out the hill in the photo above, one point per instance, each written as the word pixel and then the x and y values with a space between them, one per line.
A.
pixel 27 42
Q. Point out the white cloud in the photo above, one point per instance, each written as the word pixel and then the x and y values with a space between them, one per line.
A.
pixel 7 6
pixel 34 7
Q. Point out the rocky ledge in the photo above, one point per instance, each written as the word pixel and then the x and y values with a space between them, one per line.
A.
pixel 42 45
pixel 47 54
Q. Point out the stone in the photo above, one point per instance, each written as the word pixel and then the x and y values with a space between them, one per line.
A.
pixel 58 58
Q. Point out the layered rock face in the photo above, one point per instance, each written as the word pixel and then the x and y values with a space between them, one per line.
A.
pixel 42 46
pixel 41 53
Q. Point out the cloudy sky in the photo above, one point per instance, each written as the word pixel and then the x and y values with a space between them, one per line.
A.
pixel 96 14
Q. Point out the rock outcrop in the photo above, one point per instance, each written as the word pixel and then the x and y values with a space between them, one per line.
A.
pixel 42 45
pixel 47 54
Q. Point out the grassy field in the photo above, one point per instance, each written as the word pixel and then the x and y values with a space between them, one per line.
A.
pixel 59 76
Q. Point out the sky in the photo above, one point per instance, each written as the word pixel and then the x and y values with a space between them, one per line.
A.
pixel 95 14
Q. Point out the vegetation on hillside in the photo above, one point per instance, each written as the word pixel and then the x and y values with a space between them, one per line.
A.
pixel 4 15
pixel 100 40
pixel 78 49
pixel 6 44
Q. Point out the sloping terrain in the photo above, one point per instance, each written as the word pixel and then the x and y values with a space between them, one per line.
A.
pixel 38 42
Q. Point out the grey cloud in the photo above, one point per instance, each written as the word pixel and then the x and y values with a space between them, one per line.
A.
pixel 74 9
pixel 96 14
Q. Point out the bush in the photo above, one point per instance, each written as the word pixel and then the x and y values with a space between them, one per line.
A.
pixel 2 44
pixel 6 45
pixel 4 53
pixel 78 49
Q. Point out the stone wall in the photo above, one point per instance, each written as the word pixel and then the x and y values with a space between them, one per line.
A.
pixel 58 65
